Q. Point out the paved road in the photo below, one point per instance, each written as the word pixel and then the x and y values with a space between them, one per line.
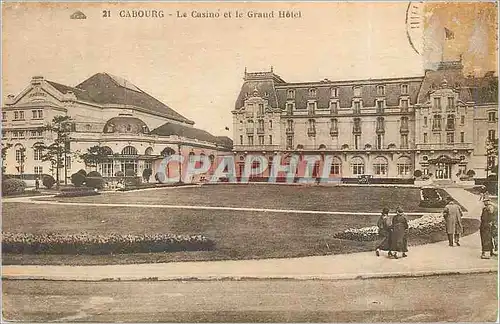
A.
pixel 458 298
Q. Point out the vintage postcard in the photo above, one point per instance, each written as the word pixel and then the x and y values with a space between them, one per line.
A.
pixel 250 161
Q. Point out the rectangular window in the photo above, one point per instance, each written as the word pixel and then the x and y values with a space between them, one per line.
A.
pixel 20 155
pixel 21 134
pixel 310 107
pixel 107 169
pixel 492 116
pixel 380 90
pixel 261 109
pixel 358 169
pixel 335 168
pixel 333 107
pixel 35 114
pixel 357 91
pixel 261 139
pixel 450 138
pixel 289 142
pixel 16 115
pixel 250 140
pixel 380 169
pixel 491 135
pixel 33 133
pixel 451 103
pixel 357 141
pixel 379 141
pixel 270 139
pixel 21 115
pixel 404 105
pixel 462 137
pixel 438 138
pixel 425 138
pixel 404 89
pixel 437 103
pixel 425 121
pixel 68 161
pixel 335 92
pixel 462 119
pixel 404 169
pixel 289 108
pixel 38 170
pixel 380 106
pixel 357 107
pixel 40 114
pixel 4 116
pixel 37 154
pixel 270 124
pixel 241 139
pixel 404 141
pixel 290 94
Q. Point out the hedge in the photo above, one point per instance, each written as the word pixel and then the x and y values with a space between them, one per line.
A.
pixel 77 179
pixel 78 193
pixel 95 244
pixel 13 187
pixel 48 181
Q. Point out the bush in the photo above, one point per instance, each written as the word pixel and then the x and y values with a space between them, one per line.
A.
pixel 78 193
pixel 13 187
pixel 77 179
pixel 471 173
pixel 146 174
pixel 82 172
pixel 95 182
pixel 48 181
pixel 417 173
pixel 94 244
pixel 130 173
pixel 94 174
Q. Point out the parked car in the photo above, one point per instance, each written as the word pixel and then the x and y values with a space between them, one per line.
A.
pixel 364 178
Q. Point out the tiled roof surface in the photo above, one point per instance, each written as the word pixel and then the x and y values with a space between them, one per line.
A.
pixel 225 141
pixel 346 93
pixel 263 87
pixel 169 129
pixel 79 93
pixel 103 88
pixel 433 80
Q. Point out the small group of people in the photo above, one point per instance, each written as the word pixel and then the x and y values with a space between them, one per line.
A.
pixel 393 234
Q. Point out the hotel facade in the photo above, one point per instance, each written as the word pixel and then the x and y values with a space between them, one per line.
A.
pixel 437 123
pixel 136 130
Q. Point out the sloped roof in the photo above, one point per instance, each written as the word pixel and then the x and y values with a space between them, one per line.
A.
pixel 264 88
pixel 104 88
pixel 225 141
pixel 433 79
pixel 169 129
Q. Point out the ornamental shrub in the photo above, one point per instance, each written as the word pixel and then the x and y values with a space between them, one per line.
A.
pixel 13 187
pixel 471 173
pixel 77 179
pixel 417 173
pixel 146 174
pixel 95 180
pixel 82 172
pixel 48 181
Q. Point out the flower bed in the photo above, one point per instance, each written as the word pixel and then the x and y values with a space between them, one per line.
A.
pixel 431 198
pixel 77 192
pixel 84 243
pixel 420 226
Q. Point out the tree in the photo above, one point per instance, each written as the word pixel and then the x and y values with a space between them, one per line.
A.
pixel 56 152
pixel 5 147
pixel 94 156
pixel 491 155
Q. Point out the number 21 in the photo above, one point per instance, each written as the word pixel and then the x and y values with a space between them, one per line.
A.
pixel 106 13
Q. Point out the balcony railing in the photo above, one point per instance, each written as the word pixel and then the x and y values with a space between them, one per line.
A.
pixel 436 128
pixel 380 130
pixel 249 114
pixel 260 130
pixel 404 128
pixel 444 146
pixel 450 127
pixel 250 130
pixel 356 130
pixel 311 131
pixel 266 147
pixel 334 132
pixel 289 130
pixel 310 112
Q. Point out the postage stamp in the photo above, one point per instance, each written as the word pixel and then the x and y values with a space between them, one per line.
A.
pixel 250 161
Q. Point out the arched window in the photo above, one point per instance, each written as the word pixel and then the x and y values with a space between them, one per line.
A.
pixel 404 166
pixel 380 166
pixel 436 122
pixel 167 151
pixel 312 92
pixel 37 151
pixel 357 165
pixel 211 157
pixel 450 122
pixel 149 151
pixel 322 146
pixel 291 94
pixel 380 124
pixel 191 156
pixel 380 90
pixel 129 150
pixel 108 150
pixel 20 153
pixel 300 147
pixel 336 167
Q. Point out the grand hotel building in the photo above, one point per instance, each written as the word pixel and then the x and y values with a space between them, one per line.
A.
pixel 136 129
pixel 437 123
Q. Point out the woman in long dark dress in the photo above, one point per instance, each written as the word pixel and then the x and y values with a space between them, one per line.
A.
pixel 399 242
pixel 384 232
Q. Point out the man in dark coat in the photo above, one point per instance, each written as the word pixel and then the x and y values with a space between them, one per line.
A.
pixel 399 237
pixel 452 214
pixel 384 232
pixel 488 221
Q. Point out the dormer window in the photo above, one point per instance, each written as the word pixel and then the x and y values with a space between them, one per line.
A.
pixel 334 92
pixel 437 103
pixel 380 90
pixel 404 89
pixel 312 92
pixel 291 94
pixel 357 91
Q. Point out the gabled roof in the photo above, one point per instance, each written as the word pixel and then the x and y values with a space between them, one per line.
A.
pixel 173 129
pixel 104 88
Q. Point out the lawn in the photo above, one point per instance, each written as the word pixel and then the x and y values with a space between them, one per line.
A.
pixel 238 235
pixel 346 199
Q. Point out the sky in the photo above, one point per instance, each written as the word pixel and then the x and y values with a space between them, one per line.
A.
pixel 196 65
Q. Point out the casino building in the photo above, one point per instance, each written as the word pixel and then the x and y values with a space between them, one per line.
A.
pixel 136 129
pixel 437 123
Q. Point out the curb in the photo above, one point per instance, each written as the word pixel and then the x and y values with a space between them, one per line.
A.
pixel 326 277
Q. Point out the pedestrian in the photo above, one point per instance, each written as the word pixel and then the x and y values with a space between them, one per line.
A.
pixel 37 184
pixel 452 214
pixel 384 232
pixel 399 237
pixel 488 223
pixel 484 194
